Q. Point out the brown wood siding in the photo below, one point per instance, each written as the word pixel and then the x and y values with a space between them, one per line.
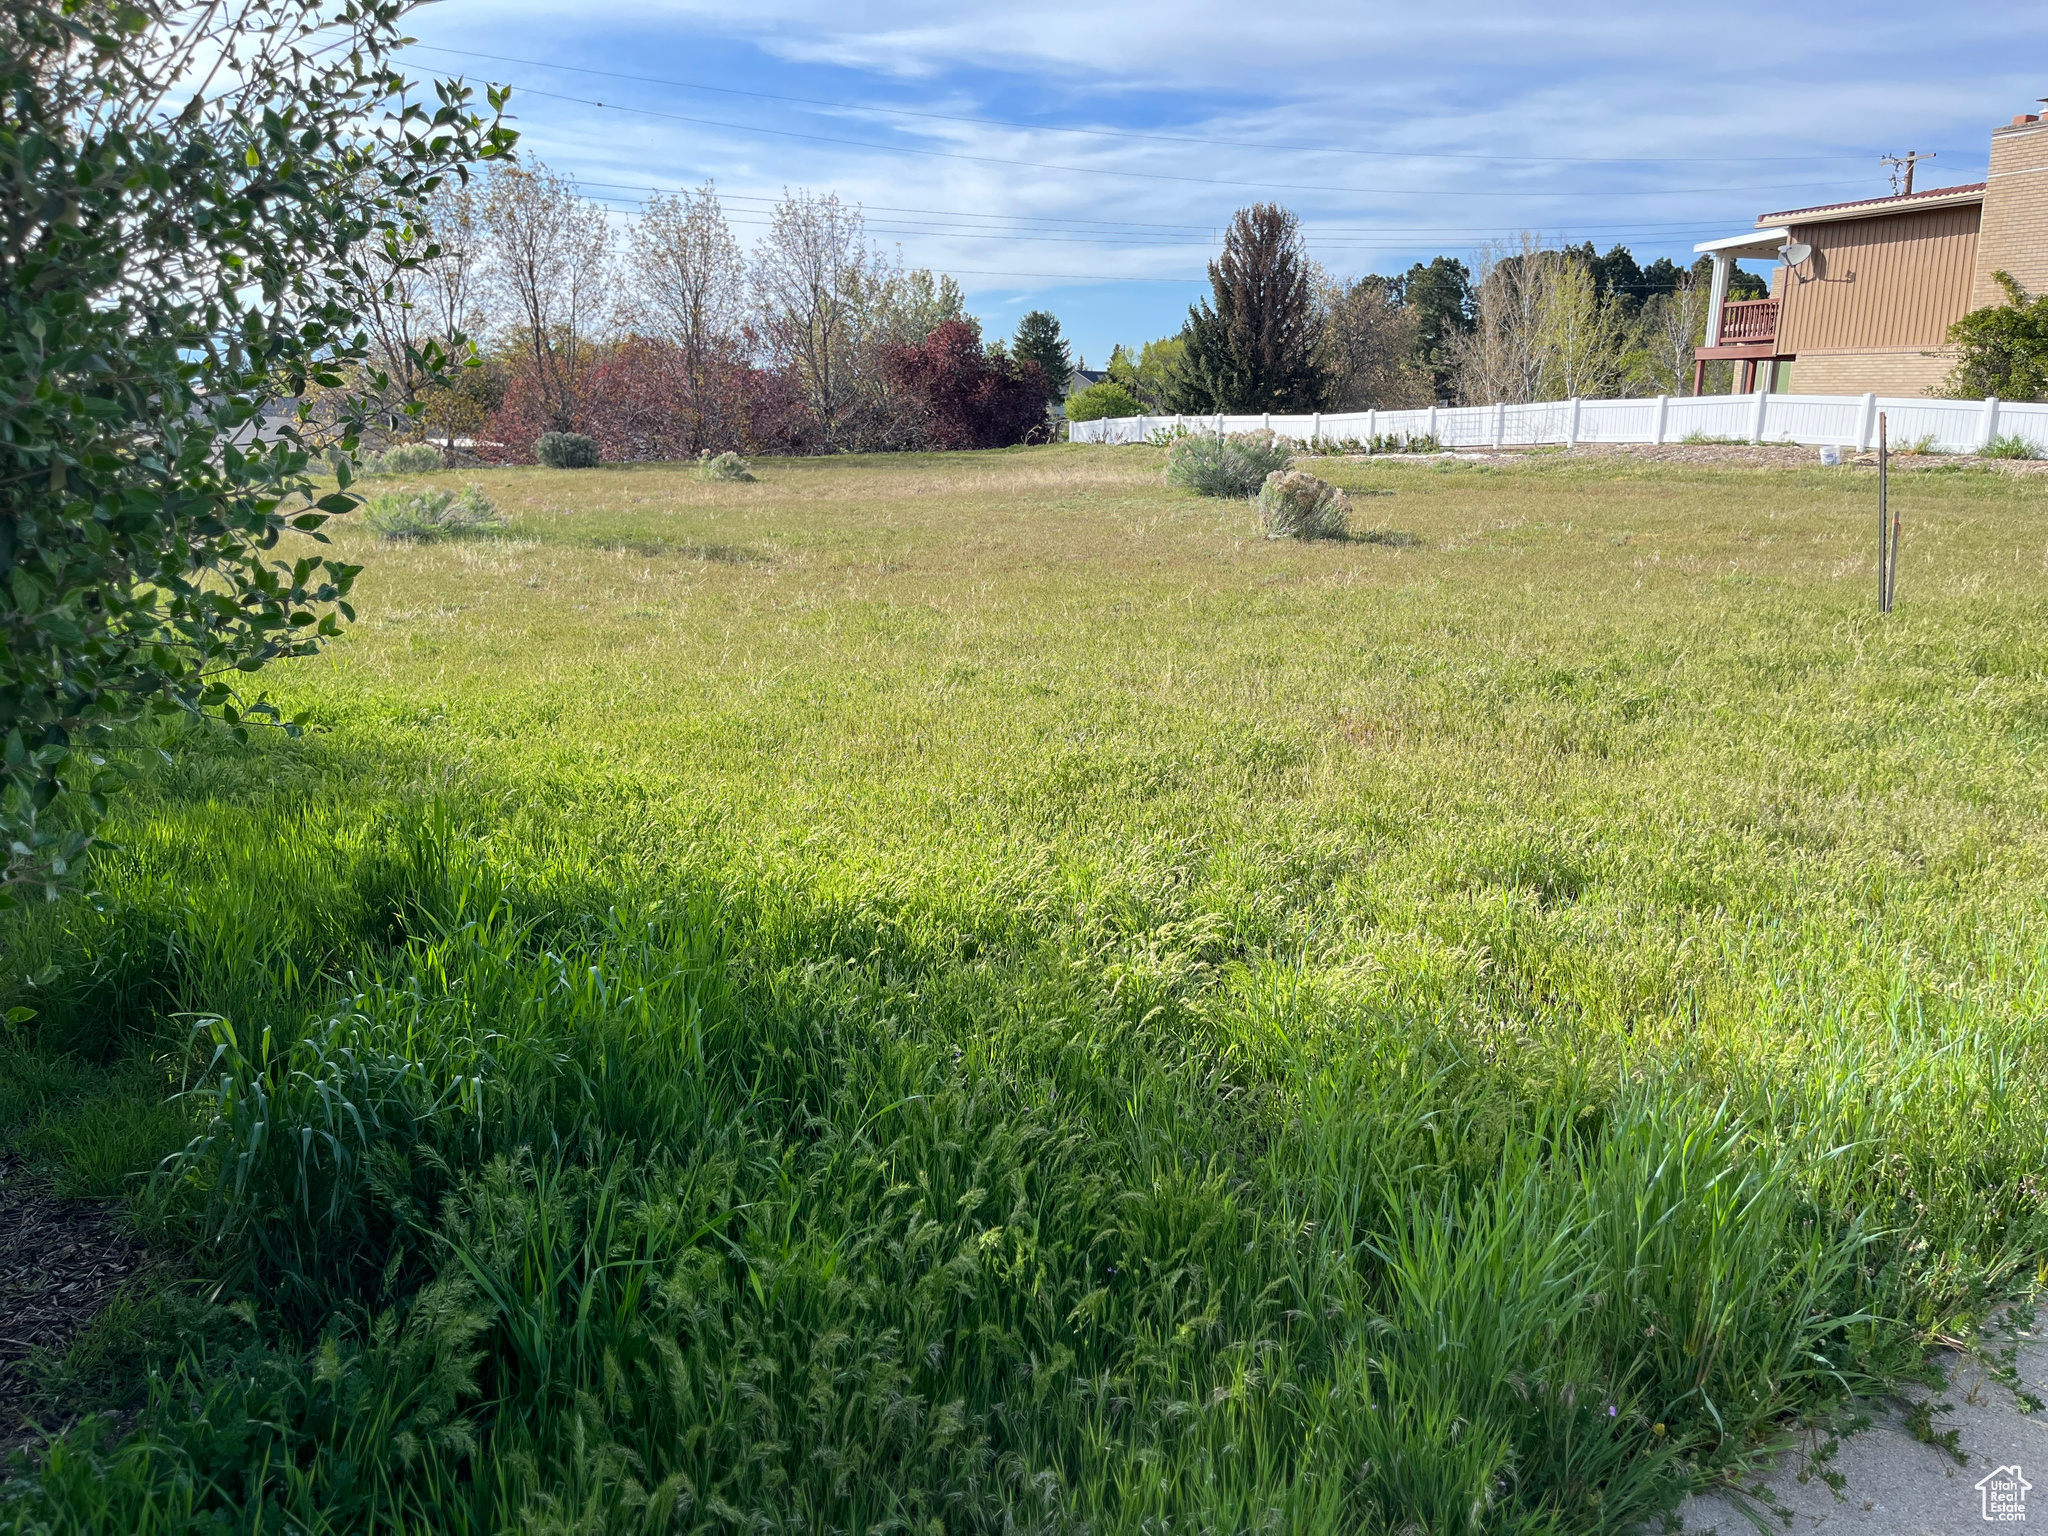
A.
pixel 1900 280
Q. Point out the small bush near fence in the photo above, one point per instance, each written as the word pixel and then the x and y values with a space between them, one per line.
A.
pixel 724 466
pixel 420 517
pixel 1296 505
pixel 566 450
pixel 1097 401
pixel 406 459
pixel 2010 447
pixel 1228 466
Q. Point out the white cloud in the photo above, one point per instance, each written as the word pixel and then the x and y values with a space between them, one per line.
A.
pixel 1746 92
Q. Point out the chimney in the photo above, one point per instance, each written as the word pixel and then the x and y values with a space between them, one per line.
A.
pixel 2014 235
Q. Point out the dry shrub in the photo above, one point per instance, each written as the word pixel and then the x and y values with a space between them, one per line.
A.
pixel 1294 504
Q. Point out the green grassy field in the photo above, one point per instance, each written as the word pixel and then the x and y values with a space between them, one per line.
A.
pixel 973 993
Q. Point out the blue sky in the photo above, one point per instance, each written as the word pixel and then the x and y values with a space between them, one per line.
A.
pixel 1084 158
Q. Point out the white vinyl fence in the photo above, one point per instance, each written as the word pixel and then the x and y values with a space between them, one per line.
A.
pixel 1849 421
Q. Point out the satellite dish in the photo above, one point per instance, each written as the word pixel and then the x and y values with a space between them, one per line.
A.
pixel 1796 254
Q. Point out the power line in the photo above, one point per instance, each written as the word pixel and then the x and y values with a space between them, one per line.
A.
pixel 1155 138
pixel 1088 170
pixel 1652 230
pixel 1391 240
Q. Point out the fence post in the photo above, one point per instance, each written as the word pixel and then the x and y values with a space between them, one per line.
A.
pixel 1663 417
pixel 1430 430
pixel 1868 424
pixel 1990 420
pixel 1265 421
pixel 1571 425
pixel 1372 425
pixel 1500 422
pixel 1219 426
pixel 1756 425
pixel 1315 429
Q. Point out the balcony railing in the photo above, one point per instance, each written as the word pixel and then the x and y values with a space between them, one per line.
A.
pixel 1749 323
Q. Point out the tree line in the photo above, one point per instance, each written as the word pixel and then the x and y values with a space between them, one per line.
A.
pixel 666 340
pixel 1528 321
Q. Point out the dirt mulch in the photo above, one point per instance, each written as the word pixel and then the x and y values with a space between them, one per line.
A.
pixel 60 1263
pixel 1792 456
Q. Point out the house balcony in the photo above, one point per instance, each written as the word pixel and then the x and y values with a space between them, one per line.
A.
pixel 1749 323
pixel 1748 338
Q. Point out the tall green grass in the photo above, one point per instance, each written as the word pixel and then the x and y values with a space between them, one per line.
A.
pixel 1129 1125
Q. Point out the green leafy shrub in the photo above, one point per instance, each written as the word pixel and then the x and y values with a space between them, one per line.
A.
pixel 1404 442
pixel 2010 446
pixel 420 517
pixel 1097 401
pixel 142 514
pixel 1228 466
pixel 406 459
pixel 724 466
pixel 2002 349
pixel 1294 504
pixel 566 450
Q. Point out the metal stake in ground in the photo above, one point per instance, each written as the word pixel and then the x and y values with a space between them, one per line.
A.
pixel 1883 553
pixel 1891 581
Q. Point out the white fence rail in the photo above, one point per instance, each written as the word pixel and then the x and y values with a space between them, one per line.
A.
pixel 1850 421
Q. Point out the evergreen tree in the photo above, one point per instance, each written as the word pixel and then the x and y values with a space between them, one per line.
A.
pixel 1253 346
pixel 1039 341
pixel 1440 294
pixel 1662 276
pixel 1741 284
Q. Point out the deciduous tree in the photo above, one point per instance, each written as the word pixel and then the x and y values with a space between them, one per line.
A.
pixel 1583 334
pixel 550 258
pixel 968 398
pixel 690 293
pixel 1501 357
pixel 815 282
pixel 1370 347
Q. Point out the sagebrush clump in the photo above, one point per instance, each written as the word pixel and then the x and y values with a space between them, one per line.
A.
pixel 420 517
pixel 724 466
pixel 404 459
pixel 567 450
pixel 1294 504
pixel 1226 466
pixel 407 459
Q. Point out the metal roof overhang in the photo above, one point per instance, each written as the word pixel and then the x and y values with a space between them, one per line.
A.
pixel 1760 244
pixel 1877 207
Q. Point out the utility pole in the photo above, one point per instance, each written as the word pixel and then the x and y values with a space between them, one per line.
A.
pixel 1902 169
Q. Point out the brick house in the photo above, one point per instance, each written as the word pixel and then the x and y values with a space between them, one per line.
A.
pixel 1868 309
